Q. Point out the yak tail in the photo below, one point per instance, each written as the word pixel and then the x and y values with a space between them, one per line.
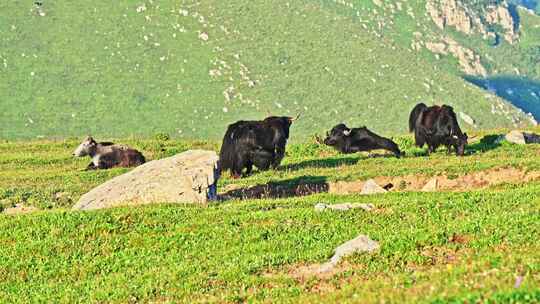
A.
pixel 415 113
pixel 227 152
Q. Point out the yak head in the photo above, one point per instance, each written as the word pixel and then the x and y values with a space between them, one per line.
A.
pixel 460 141
pixel 87 147
pixel 281 122
pixel 337 135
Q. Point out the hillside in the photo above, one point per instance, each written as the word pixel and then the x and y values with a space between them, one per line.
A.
pixel 473 240
pixel 189 69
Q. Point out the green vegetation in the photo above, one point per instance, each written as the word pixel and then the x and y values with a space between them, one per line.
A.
pixel 435 247
pixel 188 69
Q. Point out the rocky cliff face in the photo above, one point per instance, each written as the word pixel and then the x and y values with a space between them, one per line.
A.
pixel 488 20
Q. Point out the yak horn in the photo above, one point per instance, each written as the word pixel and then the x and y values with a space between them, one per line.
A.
pixel 295 118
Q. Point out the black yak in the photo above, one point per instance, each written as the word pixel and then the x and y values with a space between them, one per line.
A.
pixel 435 126
pixel 358 139
pixel 254 143
pixel 107 155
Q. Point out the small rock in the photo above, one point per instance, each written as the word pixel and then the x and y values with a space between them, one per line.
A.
pixel 522 138
pixel 60 195
pixel 361 243
pixel 344 207
pixel 431 185
pixel 371 187
pixel 516 137
pixel 467 119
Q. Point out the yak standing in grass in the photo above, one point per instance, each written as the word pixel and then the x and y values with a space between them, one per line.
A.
pixel 358 139
pixel 254 143
pixel 107 155
pixel 436 126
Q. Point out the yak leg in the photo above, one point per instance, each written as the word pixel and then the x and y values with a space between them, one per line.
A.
pixel 240 162
pixel 387 144
pixel 280 153
pixel 249 167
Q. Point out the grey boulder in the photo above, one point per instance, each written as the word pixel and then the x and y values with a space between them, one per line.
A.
pixel 188 177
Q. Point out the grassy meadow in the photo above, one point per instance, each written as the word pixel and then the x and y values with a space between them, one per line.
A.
pixel 471 245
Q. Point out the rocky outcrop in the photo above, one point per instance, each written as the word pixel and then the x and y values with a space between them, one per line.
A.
pixel 469 62
pixel 450 13
pixel 189 177
pixel 461 16
pixel 500 15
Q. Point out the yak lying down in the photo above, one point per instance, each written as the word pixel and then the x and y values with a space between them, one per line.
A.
pixel 107 155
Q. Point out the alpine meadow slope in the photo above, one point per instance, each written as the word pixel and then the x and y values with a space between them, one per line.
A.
pixel 188 69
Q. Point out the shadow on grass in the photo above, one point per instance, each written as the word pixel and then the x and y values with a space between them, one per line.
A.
pixel 486 143
pixel 299 186
pixel 331 162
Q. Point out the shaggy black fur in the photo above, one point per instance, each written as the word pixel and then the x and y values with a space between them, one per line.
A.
pixel 259 143
pixel 358 139
pixel 436 126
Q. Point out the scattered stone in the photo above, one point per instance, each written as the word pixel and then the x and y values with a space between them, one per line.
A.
pixel 189 177
pixel 467 119
pixel 344 207
pixel 522 138
pixel 516 137
pixel 371 187
pixel 361 243
pixel 20 209
pixel 431 185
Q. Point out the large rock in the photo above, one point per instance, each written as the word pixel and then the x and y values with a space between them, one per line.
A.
pixel 522 138
pixel 189 177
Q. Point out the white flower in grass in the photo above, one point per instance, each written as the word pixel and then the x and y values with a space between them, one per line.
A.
pixel 141 8
pixel 203 36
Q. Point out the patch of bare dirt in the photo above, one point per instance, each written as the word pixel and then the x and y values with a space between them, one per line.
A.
pixel 467 182
pixel 304 272
pixel 475 180
pixel 19 209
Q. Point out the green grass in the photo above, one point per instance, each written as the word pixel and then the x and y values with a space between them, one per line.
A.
pixel 435 247
pixel 106 69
